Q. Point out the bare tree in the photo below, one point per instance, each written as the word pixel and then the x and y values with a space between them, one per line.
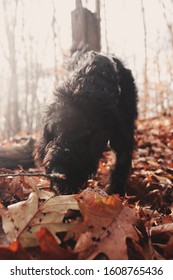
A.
pixel 56 43
pixel 54 30
pixel 168 92
pixel 158 87
pixel 106 31
pixel 146 92
pixel 169 25
pixel 12 110
pixel 26 72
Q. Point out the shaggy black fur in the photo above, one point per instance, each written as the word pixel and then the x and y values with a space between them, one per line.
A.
pixel 96 103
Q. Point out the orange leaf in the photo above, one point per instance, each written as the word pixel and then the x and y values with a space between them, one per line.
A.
pixel 106 225
pixel 49 246
pixel 13 252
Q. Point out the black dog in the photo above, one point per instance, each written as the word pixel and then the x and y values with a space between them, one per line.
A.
pixel 96 103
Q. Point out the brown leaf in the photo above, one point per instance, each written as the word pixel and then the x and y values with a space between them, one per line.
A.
pixel 30 182
pixel 161 233
pixel 107 223
pixel 168 251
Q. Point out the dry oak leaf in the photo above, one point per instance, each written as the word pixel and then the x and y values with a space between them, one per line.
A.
pixel 22 221
pixel 30 182
pixel 48 249
pixel 107 223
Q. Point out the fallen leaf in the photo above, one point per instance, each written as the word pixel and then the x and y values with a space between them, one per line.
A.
pixel 51 249
pixel 107 223
pixel 13 252
pixel 30 182
pixel 22 221
pixel 168 250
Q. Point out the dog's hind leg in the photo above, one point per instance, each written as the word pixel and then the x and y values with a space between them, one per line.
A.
pixel 123 149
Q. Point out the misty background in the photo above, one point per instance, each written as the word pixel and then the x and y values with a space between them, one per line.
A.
pixel 36 40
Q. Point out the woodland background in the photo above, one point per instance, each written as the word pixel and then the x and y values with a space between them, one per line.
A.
pixel 36 39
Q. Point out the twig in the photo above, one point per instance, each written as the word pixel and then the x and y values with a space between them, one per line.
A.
pixel 49 176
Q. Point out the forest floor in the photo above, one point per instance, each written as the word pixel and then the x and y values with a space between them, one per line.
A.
pixel 37 224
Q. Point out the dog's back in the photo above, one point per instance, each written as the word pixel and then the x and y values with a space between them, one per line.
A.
pixel 100 87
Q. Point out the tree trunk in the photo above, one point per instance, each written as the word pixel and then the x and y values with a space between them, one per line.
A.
pixel 17 155
pixel 146 93
pixel 12 113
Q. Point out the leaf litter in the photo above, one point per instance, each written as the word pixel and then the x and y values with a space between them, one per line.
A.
pixel 37 224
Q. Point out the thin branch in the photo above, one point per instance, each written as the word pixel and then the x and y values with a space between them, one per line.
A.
pixel 49 176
